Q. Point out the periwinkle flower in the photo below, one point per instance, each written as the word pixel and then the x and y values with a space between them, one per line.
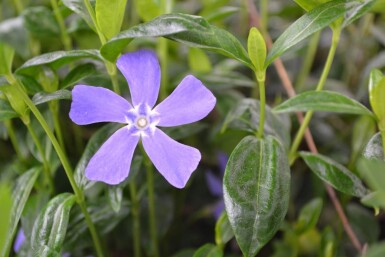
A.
pixel 189 102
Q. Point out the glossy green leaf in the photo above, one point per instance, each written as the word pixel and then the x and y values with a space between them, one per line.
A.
pixel 256 191
pixel 20 195
pixel 245 116
pixel 377 96
pixel 256 47
pixel 322 101
pixel 313 21
pixel 6 111
pixel 147 9
pixel 375 250
pixel 78 7
pixel 79 73
pixel 374 148
pixel 57 59
pixel 109 16
pixel 6 211
pixel 356 9
pixel 50 227
pixel 309 215
pixel 208 250
pixel 43 97
pixel 223 231
pixel 41 21
pixel 187 29
pixel 199 61
pixel 6 59
pixel 13 33
pixel 334 174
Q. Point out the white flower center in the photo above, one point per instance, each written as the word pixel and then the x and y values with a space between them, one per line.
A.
pixel 141 122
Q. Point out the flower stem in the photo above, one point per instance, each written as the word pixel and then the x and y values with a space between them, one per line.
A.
pixel 46 167
pixel 321 84
pixel 135 210
pixel 264 7
pixel 54 105
pixel 67 42
pixel 63 159
pixel 262 101
pixel 12 137
pixel 151 207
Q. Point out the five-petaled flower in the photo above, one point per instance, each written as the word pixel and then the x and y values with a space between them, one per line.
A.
pixel 189 102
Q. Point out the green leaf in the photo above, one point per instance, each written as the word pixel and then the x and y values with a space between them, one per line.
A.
pixel 109 16
pixel 57 59
pixel 322 101
pixel 6 211
pixel 374 148
pixel 308 5
pixel 313 21
pixel 377 96
pixel 363 130
pixel 51 225
pixel 208 250
pixel 256 191
pixel 373 171
pixel 13 33
pixel 115 196
pixel 245 116
pixel 147 9
pixel 6 59
pixel 78 7
pixel 309 215
pixel 223 231
pixel 356 9
pixel 77 74
pixel 44 97
pixel 375 250
pixel 256 47
pixel 187 29
pixel 20 195
pixel 199 61
pixel 220 13
pixel 334 174
pixel 363 222
pixel 6 111
pixel 40 21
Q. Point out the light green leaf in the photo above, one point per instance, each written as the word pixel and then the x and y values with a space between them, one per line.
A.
pixel 147 9
pixel 199 61
pixel 377 96
pixel 57 59
pixel 256 47
pixel 322 101
pixel 109 16
pixel 208 250
pixel 6 111
pixel 78 7
pixel 309 215
pixel 308 5
pixel 363 130
pixel 256 191
pixel 20 195
pixel 223 231
pixel 6 59
pixel 6 211
pixel 43 97
pixel 191 30
pixel 51 225
pixel 334 174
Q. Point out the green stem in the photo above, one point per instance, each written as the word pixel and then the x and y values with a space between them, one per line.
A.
pixel 12 137
pixel 307 63
pixel 63 159
pixel 46 166
pixel 163 57
pixel 151 207
pixel 18 6
pixel 112 72
pixel 262 101
pixel 320 86
pixel 135 210
pixel 54 105
pixel 67 42
pixel 264 6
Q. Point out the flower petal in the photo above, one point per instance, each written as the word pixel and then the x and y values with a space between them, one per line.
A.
pixel 173 160
pixel 97 104
pixel 191 101
pixel 142 72
pixel 112 161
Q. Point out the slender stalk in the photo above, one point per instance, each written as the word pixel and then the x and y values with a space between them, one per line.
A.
pixel 321 84
pixel 262 101
pixel 67 42
pixel 307 63
pixel 46 166
pixel 151 208
pixel 112 72
pixel 135 210
pixel 264 6
pixel 63 159
pixel 54 105
pixel 13 139
pixel 162 50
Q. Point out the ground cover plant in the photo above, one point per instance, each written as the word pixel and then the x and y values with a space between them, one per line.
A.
pixel 192 128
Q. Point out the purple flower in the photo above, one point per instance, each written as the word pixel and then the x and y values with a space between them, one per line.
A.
pixel 191 101
pixel 20 238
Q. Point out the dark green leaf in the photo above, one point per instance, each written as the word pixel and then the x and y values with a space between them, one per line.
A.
pixel 109 16
pixel 187 29
pixel 58 59
pixel 51 226
pixel 20 195
pixel 374 148
pixel 322 101
pixel 309 215
pixel 43 97
pixel 256 191
pixel 40 21
pixel 6 111
pixel 313 21
pixel 77 74
pixel 334 174
pixel 245 116
pixel 13 32
pixel 363 222
pixel 223 231
pixel 6 212
pixel 208 250
pixel 78 7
